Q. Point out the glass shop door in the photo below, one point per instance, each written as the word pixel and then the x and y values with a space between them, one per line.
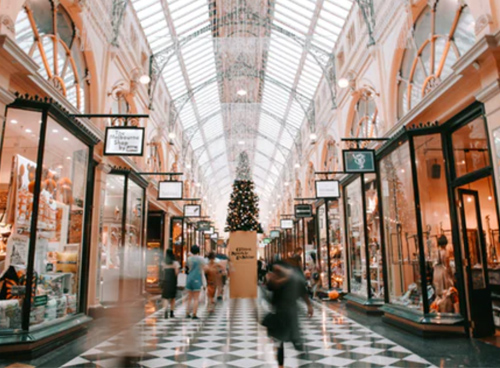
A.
pixel 480 312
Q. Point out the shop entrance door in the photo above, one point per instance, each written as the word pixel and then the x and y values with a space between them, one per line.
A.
pixel 480 312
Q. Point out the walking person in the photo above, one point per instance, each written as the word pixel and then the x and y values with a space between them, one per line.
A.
pixel 194 281
pixel 288 286
pixel 315 274
pixel 169 284
pixel 213 276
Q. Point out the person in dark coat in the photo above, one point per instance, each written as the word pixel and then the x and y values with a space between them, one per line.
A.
pixel 288 285
pixel 169 284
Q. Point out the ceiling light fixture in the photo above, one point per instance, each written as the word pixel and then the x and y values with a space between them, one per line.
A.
pixel 188 166
pixel 171 135
pixel 313 137
pixel 144 79
pixel 286 183
pixel 241 143
pixel 343 83
pixel 297 166
pixel 241 92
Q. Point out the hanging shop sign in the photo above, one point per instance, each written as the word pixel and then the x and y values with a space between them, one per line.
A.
pixel 214 236
pixel 203 226
pixel 170 190
pixel 124 141
pixel 192 210
pixel 210 231
pixel 286 224
pixel 275 234
pixel 359 161
pixel 303 211
pixel 327 189
pixel 266 241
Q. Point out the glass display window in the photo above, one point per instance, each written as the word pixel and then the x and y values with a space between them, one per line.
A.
pixel 337 254
pixel 372 228
pixel 122 254
pixel 355 232
pixel 44 185
pixel 323 246
pixel 400 229
pixel 471 148
pixel 437 234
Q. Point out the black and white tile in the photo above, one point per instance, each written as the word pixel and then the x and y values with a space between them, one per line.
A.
pixel 232 337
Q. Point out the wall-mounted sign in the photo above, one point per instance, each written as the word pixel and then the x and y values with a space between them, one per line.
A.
pixel 210 231
pixel 266 241
pixel 327 189
pixel 214 236
pixel 203 226
pixel 275 234
pixel 303 211
pixel 124 141
pixel 359 161
pixel 286 224
pixel 192 210
pixel 170 190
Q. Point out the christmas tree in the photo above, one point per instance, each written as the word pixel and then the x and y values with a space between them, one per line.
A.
pixel 243 209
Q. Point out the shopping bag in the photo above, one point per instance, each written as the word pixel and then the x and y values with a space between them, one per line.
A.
pixel 181 280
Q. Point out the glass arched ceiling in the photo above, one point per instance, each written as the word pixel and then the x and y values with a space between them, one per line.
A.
pixel 265 48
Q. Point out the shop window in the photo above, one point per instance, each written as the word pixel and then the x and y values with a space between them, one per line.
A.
pixel 323 246
pixel 375 263
pixel 365 122
pixel 400 230
pixel 470 148
pixel 355 238
pixel 442 34
pixel 434 208
pixel 47 186
pixel 45 31
pixel 121 254
pixel 337 265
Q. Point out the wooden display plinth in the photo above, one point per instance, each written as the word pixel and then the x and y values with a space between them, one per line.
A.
pixel 243 264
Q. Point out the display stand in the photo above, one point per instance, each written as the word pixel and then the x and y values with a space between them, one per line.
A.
pixel 243 264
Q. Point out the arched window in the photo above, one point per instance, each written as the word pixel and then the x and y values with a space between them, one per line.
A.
pixel 365 123
pixel 45 31
pixel 441 35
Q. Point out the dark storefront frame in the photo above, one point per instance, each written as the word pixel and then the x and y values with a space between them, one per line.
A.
pixel 408 135
pixel 49 109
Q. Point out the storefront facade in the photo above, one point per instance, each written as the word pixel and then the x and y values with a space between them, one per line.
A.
pixel 47 186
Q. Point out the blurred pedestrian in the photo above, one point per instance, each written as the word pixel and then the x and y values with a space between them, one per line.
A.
pixel 288 285
pixel 315 274
pixel 169 284
pixel 194 281
pixel 213 276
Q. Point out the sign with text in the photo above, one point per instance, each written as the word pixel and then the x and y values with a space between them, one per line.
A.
pixel 124 141
pixel 192 210
pixel 214 236
pixel 170 190
pixel 359 161
pixel 275 234
pixel 303 211
pixel 327 189
pixel 203 226
pixel 286 224
pixel 210 231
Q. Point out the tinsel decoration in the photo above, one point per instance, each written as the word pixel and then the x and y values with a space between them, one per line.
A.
pixel 243 209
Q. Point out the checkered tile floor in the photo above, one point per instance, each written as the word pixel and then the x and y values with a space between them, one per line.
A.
pixel 232 337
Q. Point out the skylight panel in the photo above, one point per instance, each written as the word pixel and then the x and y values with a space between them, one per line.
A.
pixel 265 146
pixel 197 141
pixel 286 139
pixel 279 157
pixel 203 159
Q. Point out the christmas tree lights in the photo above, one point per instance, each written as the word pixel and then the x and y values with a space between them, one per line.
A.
pixel 243 209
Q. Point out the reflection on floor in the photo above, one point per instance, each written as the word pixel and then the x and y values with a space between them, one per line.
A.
pixel 232 337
